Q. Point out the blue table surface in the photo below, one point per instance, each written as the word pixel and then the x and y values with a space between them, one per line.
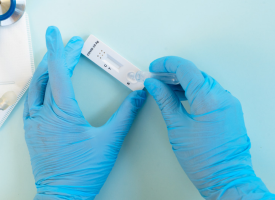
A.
pixel 233 41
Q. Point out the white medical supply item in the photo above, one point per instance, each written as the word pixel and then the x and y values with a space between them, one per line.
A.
pixel 8 99
pixel 168 78
pixel 119 67
pixel 11 11
pixel 16 61
pixel 111 62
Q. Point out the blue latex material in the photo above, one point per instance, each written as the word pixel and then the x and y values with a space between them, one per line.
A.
pixel 9 12
pixel 211 141
pixel 70 158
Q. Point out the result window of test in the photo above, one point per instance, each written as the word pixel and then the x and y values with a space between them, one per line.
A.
pixel 109 60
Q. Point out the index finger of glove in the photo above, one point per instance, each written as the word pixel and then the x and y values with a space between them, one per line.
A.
pixel 40 78
pixel 189 76
pixel 59 74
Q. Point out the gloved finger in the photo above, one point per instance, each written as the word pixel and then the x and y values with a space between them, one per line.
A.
pixel 59 74
pixel 187 73
pixel 38 86
pixel 40 78
pixel 200 89
pixel 73 52
pixel 166 99
pixel 122 120
pixel 155 66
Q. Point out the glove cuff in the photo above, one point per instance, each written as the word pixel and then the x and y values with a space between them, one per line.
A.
pixel 59 197
pixel 54 193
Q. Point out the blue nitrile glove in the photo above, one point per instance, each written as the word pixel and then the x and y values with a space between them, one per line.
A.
pixel 70 158
pixel 210 143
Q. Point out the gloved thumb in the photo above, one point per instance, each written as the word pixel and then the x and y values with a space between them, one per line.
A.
pixel 124 117
pixel 166 99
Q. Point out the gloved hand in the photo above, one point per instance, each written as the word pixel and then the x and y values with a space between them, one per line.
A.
pixel 211 142
pixel 70 158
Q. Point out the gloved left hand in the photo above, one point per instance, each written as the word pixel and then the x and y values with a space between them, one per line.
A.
pixel 70 158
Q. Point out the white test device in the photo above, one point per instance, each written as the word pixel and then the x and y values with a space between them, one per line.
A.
pixel 111 62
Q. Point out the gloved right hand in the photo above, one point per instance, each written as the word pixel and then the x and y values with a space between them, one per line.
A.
pixel 211 142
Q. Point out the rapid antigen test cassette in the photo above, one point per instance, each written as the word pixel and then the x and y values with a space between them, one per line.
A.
pixel 111 62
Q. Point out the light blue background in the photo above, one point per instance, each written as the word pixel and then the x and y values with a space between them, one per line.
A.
pixel 233 41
